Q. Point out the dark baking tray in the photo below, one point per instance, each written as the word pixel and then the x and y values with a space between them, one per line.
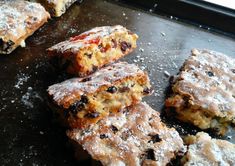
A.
pixel 28 133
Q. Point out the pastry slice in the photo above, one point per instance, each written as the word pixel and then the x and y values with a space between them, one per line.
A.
pixel 204 91
pixel 82 101
pixel 57 7
pixel 206 151
pixel 83 54
pixel 135 136
pixel 18 21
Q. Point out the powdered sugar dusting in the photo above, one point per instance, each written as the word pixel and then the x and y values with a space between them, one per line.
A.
pixel 208 151
pixel 141 130
pixel 21 78
pixel 16 16
pixel 75 45
pixel 28 98
pixel 72 88
pixel 209 77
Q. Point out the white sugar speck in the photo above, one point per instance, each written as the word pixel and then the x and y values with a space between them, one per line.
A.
pixel 167 74
pixel 21 78
pixel 141 50
pixel 163 34
pixel 28 98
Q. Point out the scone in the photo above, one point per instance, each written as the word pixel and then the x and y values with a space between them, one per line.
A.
pixel 18 21
pixel 57 7
pixel 84 54
pixel 82 101
pixel 206 151
pixel 204 91
pixel 133 137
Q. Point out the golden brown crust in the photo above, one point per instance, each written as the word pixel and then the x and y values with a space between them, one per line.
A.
pixel 134 136
pixel 204 91
pixel 82 101
pixel 84 54
pixel 18 21
pixel 204 150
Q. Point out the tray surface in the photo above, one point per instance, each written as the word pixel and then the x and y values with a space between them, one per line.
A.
pixel 28 133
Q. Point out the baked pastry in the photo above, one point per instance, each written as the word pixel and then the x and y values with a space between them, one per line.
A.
pixel 57 7
pixel 204 91
pixel 134 136
pixel 18 21
pixel 204 150
pixel 85 53
pixel 82 101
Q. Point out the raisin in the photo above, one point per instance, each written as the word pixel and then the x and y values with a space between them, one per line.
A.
pixel 150 154
pixel 114 43
pixel 126 135
pixel 124 89
pixel 172 80
pixel 7 45
pixel 104 48
pixel 232 125
pixel 84 99
pixel 66 114
pixel 102 136
pixel 130 33
pixel 76 107
pixel 112 89
pixel 126 111
pixel 94 68
pixel 89 55
pixel 125 46
pixel 35 19
pixel 155 138
pixel 92 115
pixel 100 46
pixel 147 90
pixel 86 79
pixel 210 74
pixel 114 129
pixel 1 41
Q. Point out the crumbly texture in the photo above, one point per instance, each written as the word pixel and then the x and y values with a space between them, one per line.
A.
pixel 204 91
pixel 135 136
pixel 82 55
pixel 204 150
pixel 82 101
pixel 57 7
pixel 18 21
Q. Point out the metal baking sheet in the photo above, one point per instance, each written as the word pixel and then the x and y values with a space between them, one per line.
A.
pixel 28 133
